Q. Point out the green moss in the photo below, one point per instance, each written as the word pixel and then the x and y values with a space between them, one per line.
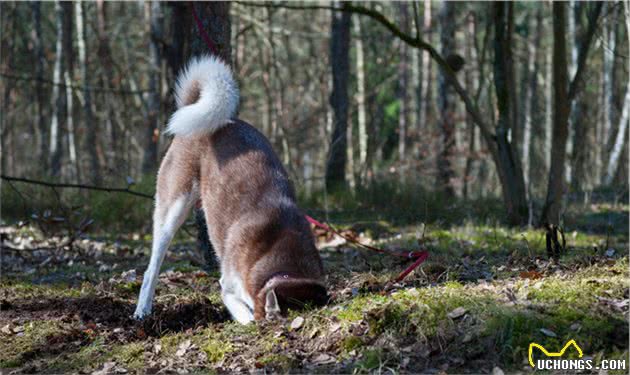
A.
pixel 130 355
pixel 15 349
pixel 350 343
pixel 216 349
pixel 279 362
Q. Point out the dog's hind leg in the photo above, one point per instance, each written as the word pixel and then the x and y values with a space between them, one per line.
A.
pixel 167 218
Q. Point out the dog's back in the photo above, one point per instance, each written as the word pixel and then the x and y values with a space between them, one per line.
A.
pixel 264 244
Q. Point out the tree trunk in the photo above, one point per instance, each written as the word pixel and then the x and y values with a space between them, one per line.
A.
pixel 471 56
pixel 446 104
pixel 107 64
pixel 42 142
pixel 615 154
pixel 425 89
pixel 340 62
pixel 533 149
pixel 153 14
pixel 403 89
pixel 508 163
pixel 57 125
pixel 555 189
pixel 360 98
pixel 91 136
pixel 73 167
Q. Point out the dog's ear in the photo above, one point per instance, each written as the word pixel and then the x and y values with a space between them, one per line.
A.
pixel 272 307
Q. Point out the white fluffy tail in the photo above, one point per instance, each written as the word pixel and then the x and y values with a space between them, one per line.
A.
pixel 207 97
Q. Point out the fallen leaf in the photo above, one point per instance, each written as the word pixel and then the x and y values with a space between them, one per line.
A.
pixel 18 329
pixel 456 313
pixel 297 323
pixel 532 275
pixel 548 332
pixel 157 348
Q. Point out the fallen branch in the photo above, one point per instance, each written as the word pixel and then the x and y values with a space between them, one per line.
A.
pixel 76 186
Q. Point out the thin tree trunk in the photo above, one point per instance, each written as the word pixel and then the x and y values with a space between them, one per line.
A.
pixel 73 168
pixel 528 86
pixel 425 92
pixel 534 122
pixel 57 125
pixel 446 104
pixel 548 109
pixel 339 59
pixel 91 135
pixel 360 98
pixel 153 14
pixel 403 88
pixel 42 141
pixel 107 64
pixel 471 55
pixel 620 139
pixel 509 166
pixel 555 189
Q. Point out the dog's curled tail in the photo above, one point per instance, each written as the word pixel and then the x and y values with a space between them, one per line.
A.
pixel 207 97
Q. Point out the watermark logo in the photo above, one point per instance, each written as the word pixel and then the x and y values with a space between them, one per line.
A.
pixel 552 354
pixel 553 362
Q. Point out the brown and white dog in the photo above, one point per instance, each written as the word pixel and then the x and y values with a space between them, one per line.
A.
pixel 268 259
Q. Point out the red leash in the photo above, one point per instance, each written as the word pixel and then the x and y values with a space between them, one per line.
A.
pixel 418 256
pixel 202 32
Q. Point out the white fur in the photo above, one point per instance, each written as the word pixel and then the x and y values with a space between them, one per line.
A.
pixel 218 100
pixel 236 299
pixel 166 221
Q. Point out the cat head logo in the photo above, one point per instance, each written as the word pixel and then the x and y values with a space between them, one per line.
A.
pixel 552 354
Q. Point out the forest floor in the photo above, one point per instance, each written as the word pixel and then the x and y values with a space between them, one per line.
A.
pixel 484 294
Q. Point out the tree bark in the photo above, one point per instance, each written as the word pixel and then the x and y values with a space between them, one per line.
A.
pixel 42 142
pixel 91 136
pixel 57 125
pixel 340 62
pixel 555 189
pixel 403 88
pixel 446 104
pixel 360 98
pixel 107 76
pixel 620 139
pixel 509 166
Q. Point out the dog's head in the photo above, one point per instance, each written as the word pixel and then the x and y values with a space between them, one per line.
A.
pixel 284 291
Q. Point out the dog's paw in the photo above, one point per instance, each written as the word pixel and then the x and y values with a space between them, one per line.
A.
pixel 141 313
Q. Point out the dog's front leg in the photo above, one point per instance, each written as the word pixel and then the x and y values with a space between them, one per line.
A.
pixel 166 221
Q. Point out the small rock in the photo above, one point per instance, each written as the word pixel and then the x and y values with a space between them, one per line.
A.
pixel 548 332
pixel 18 329
pixel 6 329
pixel 457 313
pixel 297 323
pixel 118 330
pixel 183 347
pixel 467 338
pixel 497 371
